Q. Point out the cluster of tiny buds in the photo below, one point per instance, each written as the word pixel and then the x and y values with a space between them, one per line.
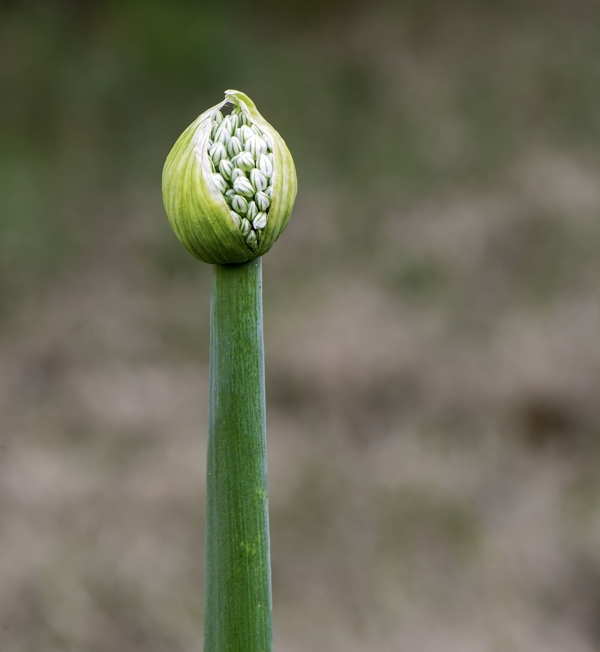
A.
pixel 241 158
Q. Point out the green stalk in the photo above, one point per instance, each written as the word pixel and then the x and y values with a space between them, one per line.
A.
pixel 237 608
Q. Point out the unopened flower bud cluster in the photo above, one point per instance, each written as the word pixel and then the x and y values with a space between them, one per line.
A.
pixel 241 157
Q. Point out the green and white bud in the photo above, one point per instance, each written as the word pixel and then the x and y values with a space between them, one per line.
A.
pixel 265 165
pixel 258 180
pixel 255 145
pixel 244 161
pixel 245 133
pixel 234 147
pixel 243 187
pixel 236 173
pixel 218 224
pixel 233 121
pixel 229 123
pixel 223 135
pixel 239 204
pixel 252 211
pixel 220 183
pixel 262 201
pixel 217 153
pixel 226 168
pixel 245 227
pixel 260 221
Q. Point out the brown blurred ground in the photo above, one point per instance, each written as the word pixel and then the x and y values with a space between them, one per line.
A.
pixel 431 315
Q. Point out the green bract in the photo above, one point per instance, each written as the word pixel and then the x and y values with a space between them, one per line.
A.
pixel 221 166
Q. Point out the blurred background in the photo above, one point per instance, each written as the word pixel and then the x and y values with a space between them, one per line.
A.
pixel 431 313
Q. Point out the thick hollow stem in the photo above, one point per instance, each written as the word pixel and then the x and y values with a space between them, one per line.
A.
pixel 238 583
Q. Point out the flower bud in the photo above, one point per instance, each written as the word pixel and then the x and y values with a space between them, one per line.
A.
pixel 217 153
pixel 245 133
pixel 243 187
pixel 236 173
pixel 226 168
pixel 228 124
pixel 258 180
pixel 244 161
pixel 221 184
pixel 265 165
pixel 251 238
pixel 256 145
pixel 262 201
pixel 233 121
pixel 252 211
pixel 216 223
pixel 223 135
pixel 234 147
pixel 245 227
pixel 260 221
pixel 239 204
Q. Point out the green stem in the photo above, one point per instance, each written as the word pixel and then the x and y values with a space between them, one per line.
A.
pixel 237 611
